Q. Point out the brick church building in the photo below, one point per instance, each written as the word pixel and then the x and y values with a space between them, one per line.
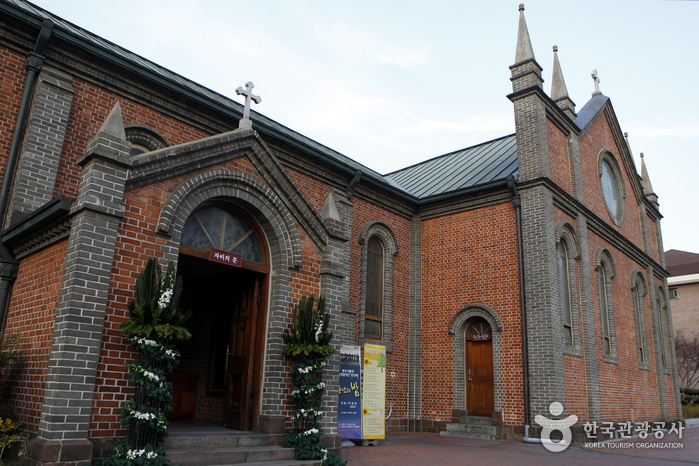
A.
pixel 108 159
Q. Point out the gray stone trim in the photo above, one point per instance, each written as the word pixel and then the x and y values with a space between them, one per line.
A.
pixel 42 145
pixel 657 343
pixel 565 233
pixel 588 324
pixel 183 159
pixel 382 232
pixel 282 236
pixel 145 136
pixel 415 321
pixel 603 260
pixel 224 184
pixel 458 328
pixel 639 290
pixel 52 235
pixel 543 300
pixel 80 313
pixel 664 327
pixel 673 360
pixel 606 156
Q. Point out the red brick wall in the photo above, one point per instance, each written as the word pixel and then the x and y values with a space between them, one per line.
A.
pixel 91 106
pixel 397 360
pixel 137 242
pixel 470 257
pixel 624 387
pixel 32 312
pixel 11 88
pixel 597 138
pixel 559 157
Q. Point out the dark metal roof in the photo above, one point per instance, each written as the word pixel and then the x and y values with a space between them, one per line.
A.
pixel 477 165
pixel 466 168
pixel 680 263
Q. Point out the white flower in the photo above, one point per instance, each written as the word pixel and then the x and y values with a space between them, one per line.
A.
pixel 165 298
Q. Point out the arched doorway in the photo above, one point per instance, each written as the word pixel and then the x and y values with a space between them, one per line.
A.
pixel 480 400
pixel 224 266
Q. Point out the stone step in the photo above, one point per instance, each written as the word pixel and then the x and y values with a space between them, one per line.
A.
pixel 472 428
pixel 220 456
pixel 478 420
pixel 223 439
pixel 468 435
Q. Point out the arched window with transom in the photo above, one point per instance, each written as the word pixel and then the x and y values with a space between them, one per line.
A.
pixel 374 290
pixel 224 229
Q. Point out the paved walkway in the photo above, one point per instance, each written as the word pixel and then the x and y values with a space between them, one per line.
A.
pixel 433 450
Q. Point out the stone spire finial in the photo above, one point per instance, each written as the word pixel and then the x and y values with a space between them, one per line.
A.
pixel 559 91
pixel 645 183
pixel 526 72
pixel 595 78
pixel 114 124
pixel 524 44
pixel 247 92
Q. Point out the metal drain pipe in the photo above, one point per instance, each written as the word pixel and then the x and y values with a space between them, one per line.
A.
pixel 517 204
pixel 35 61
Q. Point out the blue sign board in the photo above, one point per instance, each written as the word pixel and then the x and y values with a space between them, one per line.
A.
pixel 349 412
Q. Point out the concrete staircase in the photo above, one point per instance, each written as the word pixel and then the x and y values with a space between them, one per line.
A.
pixel 473 427
pixel 218 446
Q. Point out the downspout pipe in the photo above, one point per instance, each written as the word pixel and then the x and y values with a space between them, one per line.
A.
pixel 8 264
pixel 517 204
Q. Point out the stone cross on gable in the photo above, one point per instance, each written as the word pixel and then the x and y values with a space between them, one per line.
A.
pixel 247 92
pixel 595 78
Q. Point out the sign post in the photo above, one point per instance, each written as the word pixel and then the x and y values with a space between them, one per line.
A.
pixel 374 396
pixel 349 413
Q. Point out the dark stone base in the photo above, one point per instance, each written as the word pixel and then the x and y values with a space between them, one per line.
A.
pixel 333 442
pixel 271 424
pixel 59 452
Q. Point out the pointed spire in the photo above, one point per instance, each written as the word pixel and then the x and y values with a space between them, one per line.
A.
pixel 559 91
pixel 114 124
pixel 524 44
pixel 526 72
pixel 645 183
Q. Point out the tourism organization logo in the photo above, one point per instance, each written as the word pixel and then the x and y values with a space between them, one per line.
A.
pixel 610 430
pixel 551 425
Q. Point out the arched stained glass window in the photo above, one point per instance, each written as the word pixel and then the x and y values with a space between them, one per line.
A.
pixel 374 290
pixel 218 228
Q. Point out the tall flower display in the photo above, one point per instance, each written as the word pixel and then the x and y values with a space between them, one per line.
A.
pixel 307 343
pixel 155 320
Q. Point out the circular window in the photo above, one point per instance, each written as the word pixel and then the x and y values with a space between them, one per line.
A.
pixel 612 188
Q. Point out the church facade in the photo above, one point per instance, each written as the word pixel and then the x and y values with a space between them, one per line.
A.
pixel 501 278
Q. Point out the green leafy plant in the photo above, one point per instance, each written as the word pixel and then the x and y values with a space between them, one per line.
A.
pixel 8 436
pixel 156 319
pixel 309 333
pixel 155 311
pixel 308 343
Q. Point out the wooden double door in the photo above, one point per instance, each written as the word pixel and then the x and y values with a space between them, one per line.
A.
pixel 480 399
pixel 243 358
pixel 226 351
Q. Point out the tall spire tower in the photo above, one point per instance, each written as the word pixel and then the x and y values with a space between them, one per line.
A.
pixel 559 91
pixel 526 72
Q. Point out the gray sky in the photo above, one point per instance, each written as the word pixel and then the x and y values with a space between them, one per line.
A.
pixel 392 83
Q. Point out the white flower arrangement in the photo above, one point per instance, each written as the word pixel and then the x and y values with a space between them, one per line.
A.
pixel 165 298
pixel 142 416
pixel 133 454
pixel 311 431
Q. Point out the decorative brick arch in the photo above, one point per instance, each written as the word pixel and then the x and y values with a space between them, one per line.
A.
pixel 385 236
pixel 458 329
pixel 267 208
pixel 281 234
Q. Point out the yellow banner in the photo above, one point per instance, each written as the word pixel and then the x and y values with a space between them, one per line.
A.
pixel 374 392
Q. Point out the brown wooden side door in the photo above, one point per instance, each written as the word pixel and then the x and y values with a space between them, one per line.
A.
pixel 480 399
pixel 242 364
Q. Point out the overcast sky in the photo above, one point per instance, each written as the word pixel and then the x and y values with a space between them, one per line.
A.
pixel 392 83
